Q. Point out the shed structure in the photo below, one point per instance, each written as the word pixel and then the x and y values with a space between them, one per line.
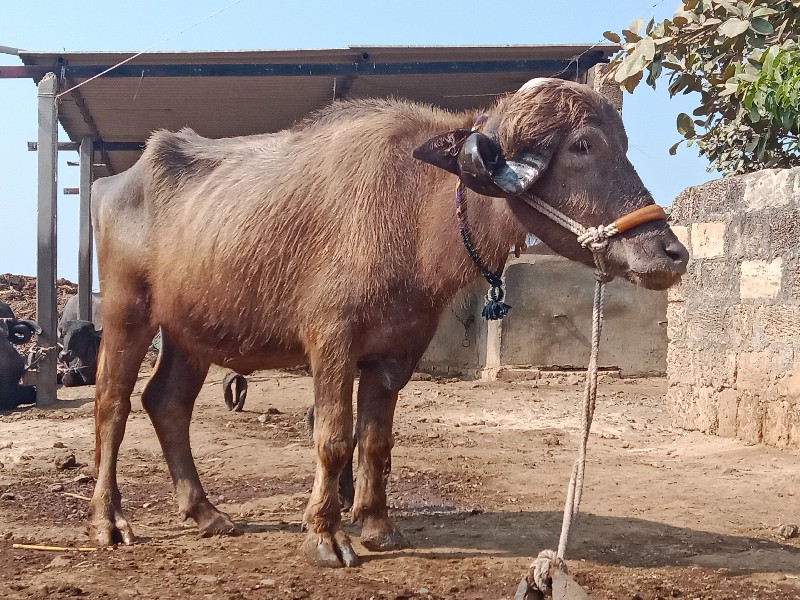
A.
pixel 108 113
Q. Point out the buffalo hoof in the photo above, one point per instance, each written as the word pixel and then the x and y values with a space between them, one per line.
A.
pixel 326 550
pixel 382 536
pixel 108 530
pixel 217 523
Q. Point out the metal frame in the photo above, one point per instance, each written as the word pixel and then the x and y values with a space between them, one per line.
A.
pixel 46 291
pixel 363 68
pixel 85 235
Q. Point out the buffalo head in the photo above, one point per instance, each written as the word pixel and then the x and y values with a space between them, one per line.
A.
pixel 565 144
pixel 79 355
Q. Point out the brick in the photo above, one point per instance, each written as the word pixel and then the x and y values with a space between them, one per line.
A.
pixel 792 275
pixel 771 188
pixel 789 382
pixel 681 403
pixel 760 278
pixel 755 370
pixel 675 320
pixel 686 207
pixel 708 325
pixel 682 233
pixel 750 418
pixel 749 237
pixel 784 231
pixel 706 417
pixel 778 323
pixel 777 426
pixel 708 239
pixel 727 410
pixel 720 197
pixel 794 426
pixel 742 319
pixel 717 280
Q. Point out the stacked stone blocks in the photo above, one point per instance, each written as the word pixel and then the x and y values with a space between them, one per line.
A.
pixel 733 358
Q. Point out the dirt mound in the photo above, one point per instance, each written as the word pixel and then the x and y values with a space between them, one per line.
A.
pixel 19 291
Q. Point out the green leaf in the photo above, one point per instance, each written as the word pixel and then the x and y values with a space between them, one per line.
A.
pixel 764 12
pixel 762 26
pixel 733 27
pixel 646 49
pixel 631 82
pixel 636 26
pixel 674 148
pixel 685 125
pixel 630 36
pixel 612 37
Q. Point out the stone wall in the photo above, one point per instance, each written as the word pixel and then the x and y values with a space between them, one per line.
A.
pixel 734 322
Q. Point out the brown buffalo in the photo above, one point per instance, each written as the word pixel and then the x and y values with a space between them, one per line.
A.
pixel 330 243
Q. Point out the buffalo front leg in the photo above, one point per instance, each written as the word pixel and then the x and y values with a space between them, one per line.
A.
pixel 376 404
pixel 120 356
pixel 326 543
pixel 169 400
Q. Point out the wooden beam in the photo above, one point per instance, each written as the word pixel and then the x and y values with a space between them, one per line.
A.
pixel 85 237
pixel 46 309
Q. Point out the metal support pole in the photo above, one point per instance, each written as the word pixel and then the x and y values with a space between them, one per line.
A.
pixel 85 239
pixel 46 310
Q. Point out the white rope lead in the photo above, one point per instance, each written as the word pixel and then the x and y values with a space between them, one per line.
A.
pixel 596 240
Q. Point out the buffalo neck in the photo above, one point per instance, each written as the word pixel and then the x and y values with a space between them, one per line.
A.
pixel 447 267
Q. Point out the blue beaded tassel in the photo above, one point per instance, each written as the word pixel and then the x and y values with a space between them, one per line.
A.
pixel 494 308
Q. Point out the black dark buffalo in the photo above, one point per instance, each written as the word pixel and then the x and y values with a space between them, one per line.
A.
pixel 71 313
pixel 12 364
pixel 79 354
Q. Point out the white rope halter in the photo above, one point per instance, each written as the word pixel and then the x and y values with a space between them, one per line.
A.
pixel 595 239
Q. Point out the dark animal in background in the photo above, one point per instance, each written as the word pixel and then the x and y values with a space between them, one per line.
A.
pixel 79 353
pixel 71 313
pixel 346 251
pixel 12 363
pixel 228 383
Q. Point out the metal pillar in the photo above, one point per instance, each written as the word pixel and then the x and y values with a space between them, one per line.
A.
pixel 85 240
pixel 46 295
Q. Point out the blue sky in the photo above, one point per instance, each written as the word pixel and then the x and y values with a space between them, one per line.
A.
pixel 261 24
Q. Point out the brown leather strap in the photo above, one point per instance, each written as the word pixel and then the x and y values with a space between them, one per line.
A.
pixel 653 212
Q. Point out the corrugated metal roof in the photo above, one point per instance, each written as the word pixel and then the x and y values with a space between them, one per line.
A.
pixel 129 108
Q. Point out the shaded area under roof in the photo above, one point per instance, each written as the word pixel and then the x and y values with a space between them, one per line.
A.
pixel 222 94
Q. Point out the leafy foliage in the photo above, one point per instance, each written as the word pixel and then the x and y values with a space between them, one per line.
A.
pixel 743 58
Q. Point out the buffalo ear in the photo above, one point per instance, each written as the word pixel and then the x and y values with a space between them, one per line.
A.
pixel 442 150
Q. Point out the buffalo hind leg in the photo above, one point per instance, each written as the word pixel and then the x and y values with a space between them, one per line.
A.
pixel 169 400
pixel 377 397
pixel 326 543
pixel 121 354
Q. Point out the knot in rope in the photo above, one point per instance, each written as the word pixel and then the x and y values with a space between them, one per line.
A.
pixel 541 568
pixel 38 354
pixel 596 238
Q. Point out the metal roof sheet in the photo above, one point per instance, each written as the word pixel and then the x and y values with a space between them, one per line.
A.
pixel 128 108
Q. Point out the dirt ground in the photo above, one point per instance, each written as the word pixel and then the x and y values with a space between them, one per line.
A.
pixel 478 486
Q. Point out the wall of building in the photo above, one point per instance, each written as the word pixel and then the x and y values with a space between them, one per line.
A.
pixel 734 321
pixel 550 324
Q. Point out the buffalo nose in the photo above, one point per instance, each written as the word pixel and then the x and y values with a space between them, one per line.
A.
pixel 677 253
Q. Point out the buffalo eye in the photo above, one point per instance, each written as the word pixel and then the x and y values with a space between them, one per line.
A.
pixel 581 147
